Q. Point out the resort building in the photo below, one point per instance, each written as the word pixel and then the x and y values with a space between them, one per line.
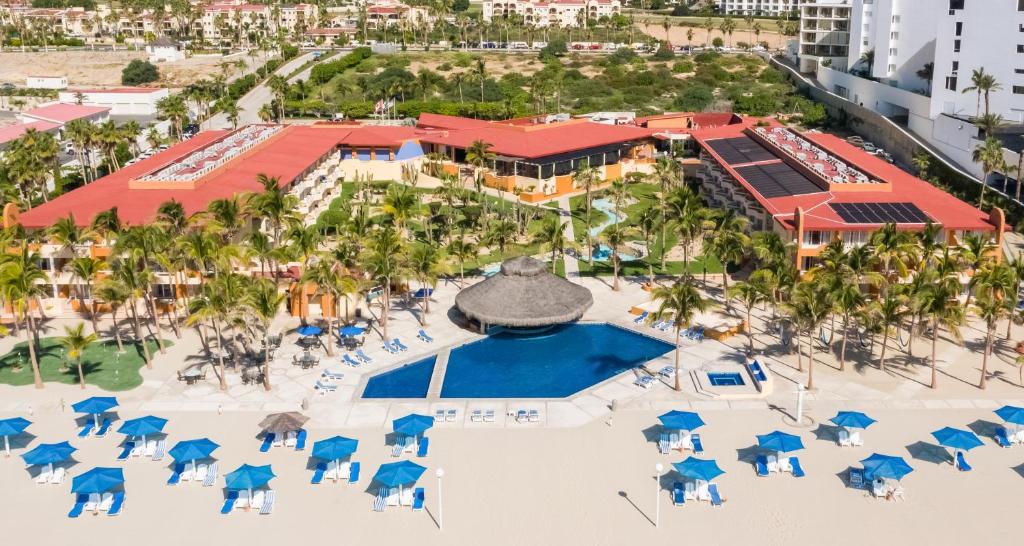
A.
pixel 824 33
pixel 122 101
pixel 62 113
pixel 236 17
pixel 555 13
pixel 771 8
pixel 813 188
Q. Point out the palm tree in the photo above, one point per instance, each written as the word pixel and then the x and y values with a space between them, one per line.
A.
pixel 480 156
pixel 807 308
pixel 86 269
pixel 990 155
pixel 173 109
pixel 927 73
pixel 552 235
pixel 263 300
pixel 990 308
pixel 895 249
pixel 982 84
pixel 888 311
pixel 729 243
pixel 385 264
pixel 668 173
pixel 462 250
pixel 210 307
pixel 648 222
pixel 748 295
pixel 480 72
pixel 75 341
pixel 681 302
pixel 940 305
pixel 401 203
pixel 114 294
pixel 22 282
pixel 849 302
pixel 587 177
pixel 426 263
pixel 868 58
pixel 615 236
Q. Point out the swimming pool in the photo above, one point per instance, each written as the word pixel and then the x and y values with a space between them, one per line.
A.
pixel 408 381
pixel 725 379
pixel 557 363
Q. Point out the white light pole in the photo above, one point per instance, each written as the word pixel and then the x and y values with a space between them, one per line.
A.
pixel 800 389
pixel 657 493
pixel 440 510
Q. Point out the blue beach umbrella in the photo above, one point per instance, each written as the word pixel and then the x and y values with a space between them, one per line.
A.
pixel 885 466
pixel 249 477
pixel 780 441
pixel 142 426
pixel 400 473
pixel 98 480
pixel 309 331
pixel 681 420
pixel 48 454
pixel 12 427
pixel 190 450
pixel 349 331
pixel 413 424
pixel 95 406
pixel 957 439
pixel 698 469
pixel 1011 414
pixel 852 419
pixel 332 449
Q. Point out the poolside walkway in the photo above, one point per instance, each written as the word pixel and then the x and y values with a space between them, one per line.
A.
pixel 572 265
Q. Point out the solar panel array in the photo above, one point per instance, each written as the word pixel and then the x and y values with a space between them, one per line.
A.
pixel 777 180
pixel 739 150
pixel 880 213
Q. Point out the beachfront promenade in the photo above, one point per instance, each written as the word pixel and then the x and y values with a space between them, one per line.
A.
pixel 582 475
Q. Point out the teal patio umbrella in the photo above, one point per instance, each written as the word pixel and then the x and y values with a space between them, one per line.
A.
pixel 12 427
pixel 142 426
pixel 97 480
pixel 335 448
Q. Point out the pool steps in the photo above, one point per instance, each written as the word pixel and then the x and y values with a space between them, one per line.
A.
pixel 437 378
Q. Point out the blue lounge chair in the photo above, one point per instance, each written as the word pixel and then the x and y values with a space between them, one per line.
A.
pixel 117 505
pixel 126 451
pixel 698 446
pixel 758 371
pixel 390 348
pixel 418 496
pixel 667 325
pixel 86 430
pixel 229 502
pixel 176 474
pixel 857 478
pixel 381 502
pixel 716 498
pixel 80 501
pixel 761 464
pixel 424 446
pixel 798 471
pixel 267 440
pixel 678 497
pixel 353 473
pixel 641 318
pixel 425 336
pixel 350 361
pixel 103 428
pixel 657 324
pixel 318 473
pixel 1002 438
pixel 961 462
pixel 663 446
pixel 363 356
pixel 399 344
pixel 300 440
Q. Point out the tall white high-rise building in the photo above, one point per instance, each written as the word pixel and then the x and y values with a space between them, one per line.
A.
pixel 758 7
pixel 824 33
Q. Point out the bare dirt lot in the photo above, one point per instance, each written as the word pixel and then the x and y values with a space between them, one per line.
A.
pixel 100 68
pixel 677 36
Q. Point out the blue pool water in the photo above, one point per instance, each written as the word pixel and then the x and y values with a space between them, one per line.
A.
pixel 725 379
pixel 554 364
pixel 409 381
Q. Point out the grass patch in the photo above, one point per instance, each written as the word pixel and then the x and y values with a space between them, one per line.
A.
pixel 638 268
pixel 102 364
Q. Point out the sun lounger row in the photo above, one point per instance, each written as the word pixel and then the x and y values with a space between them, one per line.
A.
pixel 101 432
pixel 848 438
pixel 110 502
pixel 702 491
pixel 55 477
pixel 204 473
pixel 394 496
pixel 441 415
pixel 766 464
pixel 395 346
pixel 482 416
pixel 422 335
pixel 328 470
pixel 261 501
pixel 527 416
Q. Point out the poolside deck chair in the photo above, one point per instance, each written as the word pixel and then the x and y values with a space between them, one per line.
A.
pixel 323 388
pixel 116 504
pixel 673 441
pixel 350 361
pixel 961 462
pixel 398 343
pixel 44 475
pixel 439 415
pixel 200 472
pixel 761 465
pixel 86 430
pixel 534 416
pixel 211 475
pixel 521 416
pixel 678 496
pixel 667 325
pixel 856 478
pixel 103 428
pixel 657 324
pixel 391 349
pixel 268 439
pixel 57 477
pixel 300 440
pixel 126 451
pixel 229 502
pixel 1002 438
pixel 844 438
pixel 161 449
pixel 363 356
pixel 716 498
pixel 424 336
pixel 855 439
pixel 489 416
pixel 663 445
pixel 410 444
pixel 175 477
pixel 643 316
pixel 477 416
pixel 396 450
pixel 80 501
pixel 451 415
pixel 353 473
pixel 667 371
pixel 798 471
pixel 332 375
pixel 405 497
pixel 698 445
pixel 318 473
pixel 424 446
pixel 418 498
pixel 380 502
pixel 268 502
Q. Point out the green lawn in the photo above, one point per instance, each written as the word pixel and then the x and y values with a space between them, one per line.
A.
pixel 103 366
pixel 639 267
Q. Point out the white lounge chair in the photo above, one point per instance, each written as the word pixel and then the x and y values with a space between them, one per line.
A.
pixel 106 500
pixel 44 475
pixel 392 499
pixel 211 475
pixel 534 416
pixel 489 416
pixel 855 438
pixel 290 439
pixel 189 473
pixel 406 497
pixel 844 438
pixel 201 471
pixel 268 502
pixel 57 477
pixel 477 416
pixel 93 503
pixel 450 415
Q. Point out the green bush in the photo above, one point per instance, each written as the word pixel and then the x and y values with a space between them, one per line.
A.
pixel 682 67
pixel 664 53
pixel 718 42
pixel 324 72
pixel 554 48
pixel 694 98
pixel 139 72
pixel 289 51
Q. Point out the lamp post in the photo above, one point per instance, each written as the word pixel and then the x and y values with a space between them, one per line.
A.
pixel 800 390
pixel 657 493
pixel 440 509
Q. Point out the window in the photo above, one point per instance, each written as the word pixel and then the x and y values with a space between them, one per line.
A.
pixel 817 238
pixel 1018 90
pixel 956 66
pixel 894 35
pixel 1020 5
pixel 1020 48
pixel 1018 70
pixel 959 28
pixel 895 18
pixel 958 4
pixel 951 83
pixel 855 238
pixel 892 68
pixel 956 46
pixel 893 51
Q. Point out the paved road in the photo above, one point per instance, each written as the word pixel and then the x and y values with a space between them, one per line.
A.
pixel 251 102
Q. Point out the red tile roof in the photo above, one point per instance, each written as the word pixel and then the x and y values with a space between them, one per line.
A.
pixel 900 186
pixel 12 132
pixel 286 156
pixel 441 121
pixel 146 90
pixel 63 113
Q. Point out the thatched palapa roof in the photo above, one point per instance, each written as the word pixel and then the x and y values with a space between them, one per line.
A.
pixel 524 294
pixel 283 422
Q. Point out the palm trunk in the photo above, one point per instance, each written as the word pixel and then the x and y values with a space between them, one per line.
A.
pixel 156 324
pixel 935 336
pixel 810 363
pixel 910 336
pixel 220 357
pixel 750 333
pixel 799 352
pixel 678 385
pixel 37 377
pixel 842 346
pixel 117 331
pixel 989 336
pixel 266 357
pixel 615 270
pixel 81 373
pixel 138 335
pixel 385 304
pixel 885 345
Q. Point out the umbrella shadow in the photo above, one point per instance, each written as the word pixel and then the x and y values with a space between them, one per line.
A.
pixel 652 433
pixel 828 433
pixel 983 428
pixel 1019 469
pixel 844 477
pixel 35 469
pixel 748 454
pixel 625 496
pixel 929 453
pixel 20 441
